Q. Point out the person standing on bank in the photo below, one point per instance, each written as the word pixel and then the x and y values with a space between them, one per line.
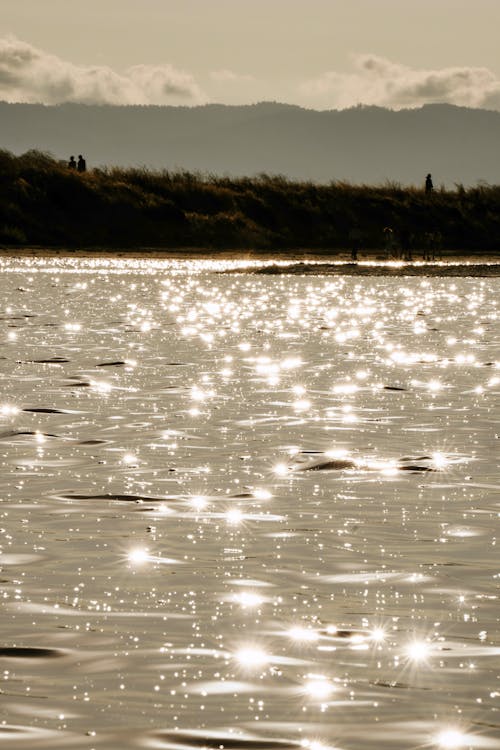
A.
pixel 355 238
pixel 429 187
pixel 82 164
pixel 72 163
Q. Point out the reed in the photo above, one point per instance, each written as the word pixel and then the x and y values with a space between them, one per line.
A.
pixel 42 202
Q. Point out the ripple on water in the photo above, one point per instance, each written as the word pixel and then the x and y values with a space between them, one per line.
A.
pixel 175 578
pixel 48 410
pixel 117 497
pixel 8 434
pixel 26 737
pixel 47 361
pixel 219 741
pixel 19 652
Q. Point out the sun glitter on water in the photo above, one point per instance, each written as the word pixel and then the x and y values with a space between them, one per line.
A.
pixel 452 739
pixel 251 657
pixel 138 556
pixel 418 651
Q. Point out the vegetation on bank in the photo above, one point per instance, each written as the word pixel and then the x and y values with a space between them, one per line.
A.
pixel 44 203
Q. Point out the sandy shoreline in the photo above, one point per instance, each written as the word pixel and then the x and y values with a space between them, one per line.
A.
pixel 293 262
pixel 383 268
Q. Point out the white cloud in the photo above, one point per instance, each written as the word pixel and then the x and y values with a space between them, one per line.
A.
pixel 28 74
pixel 229 76
pixel 376 80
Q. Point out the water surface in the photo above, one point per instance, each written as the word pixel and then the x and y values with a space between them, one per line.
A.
pixel 247 511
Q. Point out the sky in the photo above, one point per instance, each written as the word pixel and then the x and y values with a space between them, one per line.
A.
pixel 321 54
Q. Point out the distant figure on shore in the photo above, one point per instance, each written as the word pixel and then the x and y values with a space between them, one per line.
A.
pixel 388 241
pixel 429 187
pixel 355 238
pixel 429 246
pixel 72 162
pixel 405 241
pixel 82 164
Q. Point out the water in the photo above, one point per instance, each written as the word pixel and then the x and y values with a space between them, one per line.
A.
pixel 247 511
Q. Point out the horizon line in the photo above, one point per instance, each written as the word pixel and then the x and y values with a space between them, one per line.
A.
pixel 262 102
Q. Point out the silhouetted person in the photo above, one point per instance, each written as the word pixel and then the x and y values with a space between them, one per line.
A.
pixel 355 237
pixel 388 241
pixel 429 187
pixel 429 246
pixel 405 239
pixel 82 164
pixel 72 162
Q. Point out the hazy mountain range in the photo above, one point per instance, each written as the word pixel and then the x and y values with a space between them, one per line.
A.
pixel 364 144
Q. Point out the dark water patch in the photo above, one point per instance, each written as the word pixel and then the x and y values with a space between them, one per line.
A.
pixel 10 730
pixel 15 652
pixel 15 433
pixel 78 384
pixel 224 742
pixel 342 633
pixel 396 685
pixel 408 463
pixel 117 363
pixel 393 388
pixel 338 464
pixel 92 442
pixel 488 724
pixel 405 459
pixel 44 361
pixel 47 410
pixel 120 498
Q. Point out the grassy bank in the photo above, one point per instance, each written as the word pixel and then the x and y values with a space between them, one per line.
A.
pixel 44 203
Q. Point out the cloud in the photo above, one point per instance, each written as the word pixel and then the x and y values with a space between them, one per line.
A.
pixel 379 81
pixel 28 74
pixel 229 76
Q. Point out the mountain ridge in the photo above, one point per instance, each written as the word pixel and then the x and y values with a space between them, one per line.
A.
pixel 366 144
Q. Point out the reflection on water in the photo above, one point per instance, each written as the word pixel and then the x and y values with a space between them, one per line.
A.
pixel 247 511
